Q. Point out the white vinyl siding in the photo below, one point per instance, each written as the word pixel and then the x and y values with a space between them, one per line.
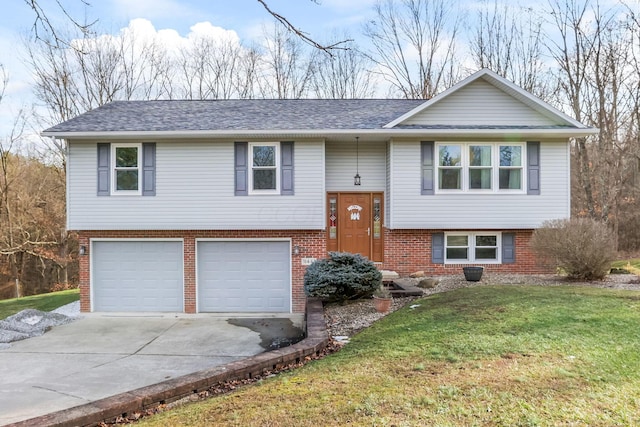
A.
pixel 479 103
pixel 195 190
pixel 468 210
pixel 341 166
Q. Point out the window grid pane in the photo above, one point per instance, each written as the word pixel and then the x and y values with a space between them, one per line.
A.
pixel 126 157
pixel 264 179
pixel 510 155
pixel 450 179
pixel 127 180
pixel 459 240
pixel 264 155
pixel 480 155
pixel 480 179
pixel 457 254
pixel 510 179
pixel 450 155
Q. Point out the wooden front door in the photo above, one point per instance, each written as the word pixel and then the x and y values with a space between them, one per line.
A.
pixel 355 224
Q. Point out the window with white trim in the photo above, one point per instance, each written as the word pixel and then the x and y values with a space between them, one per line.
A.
pixel 264 174
pixel 481 247
pixel 125 168
pixel 480 167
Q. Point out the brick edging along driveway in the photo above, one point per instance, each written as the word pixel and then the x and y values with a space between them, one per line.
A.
pixel 168 391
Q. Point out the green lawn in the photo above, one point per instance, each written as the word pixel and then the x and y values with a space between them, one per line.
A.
pixel 43 302
pixel 481 356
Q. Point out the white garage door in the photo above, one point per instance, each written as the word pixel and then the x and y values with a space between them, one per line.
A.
pixel 244 276
pixel 137 276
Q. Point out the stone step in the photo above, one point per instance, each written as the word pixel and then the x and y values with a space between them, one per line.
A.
pixel 405 288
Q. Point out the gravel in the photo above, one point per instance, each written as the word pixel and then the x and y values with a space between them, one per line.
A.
pixel 32 323
pixel 345 320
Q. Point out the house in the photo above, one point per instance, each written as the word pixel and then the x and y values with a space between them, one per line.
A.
pixel 219 206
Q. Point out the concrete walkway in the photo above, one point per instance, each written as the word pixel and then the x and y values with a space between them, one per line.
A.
pixel 100 356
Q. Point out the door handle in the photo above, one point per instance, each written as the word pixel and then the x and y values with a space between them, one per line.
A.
pixel 368 231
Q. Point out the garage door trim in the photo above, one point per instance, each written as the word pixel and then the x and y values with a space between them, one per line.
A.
pixel 127 239
pixel 240 239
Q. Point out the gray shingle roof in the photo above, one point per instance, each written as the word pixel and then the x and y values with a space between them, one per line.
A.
pixel 240 115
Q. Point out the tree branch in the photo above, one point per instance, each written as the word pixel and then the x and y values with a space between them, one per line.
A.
pixel 304 36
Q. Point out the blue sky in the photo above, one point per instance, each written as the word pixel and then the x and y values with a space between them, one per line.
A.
pixel 245 17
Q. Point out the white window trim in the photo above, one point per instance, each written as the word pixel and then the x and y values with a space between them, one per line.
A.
pixel 251 167
pixel 472 245
pixel 114 190
pixel 495 168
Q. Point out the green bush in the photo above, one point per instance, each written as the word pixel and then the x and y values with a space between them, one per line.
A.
pixel 583 247
pixel 341 277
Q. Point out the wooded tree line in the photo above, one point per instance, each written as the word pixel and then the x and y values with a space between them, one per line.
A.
pixel 579 56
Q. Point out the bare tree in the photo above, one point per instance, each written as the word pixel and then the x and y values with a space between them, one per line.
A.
pixel 414 45
pixel 508 40
pixel 286 66
pixel 210 66
pixel 44 28
pixel 594 73
pixel 346 74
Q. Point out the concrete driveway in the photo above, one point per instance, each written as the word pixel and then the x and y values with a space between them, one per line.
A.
pixel 98 356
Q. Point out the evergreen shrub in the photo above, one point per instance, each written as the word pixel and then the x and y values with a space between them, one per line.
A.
pixel 340 277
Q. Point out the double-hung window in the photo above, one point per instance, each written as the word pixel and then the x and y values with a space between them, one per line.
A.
pixel 480 167
pixel 264 160
pixel 126 175
pixel 472 247
pixel 480 170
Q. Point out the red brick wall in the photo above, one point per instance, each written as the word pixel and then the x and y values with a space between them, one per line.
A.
pixel 405 252
pixel 408 251
pixel 310 242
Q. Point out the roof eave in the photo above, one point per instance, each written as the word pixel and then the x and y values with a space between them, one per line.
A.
pixel 323 133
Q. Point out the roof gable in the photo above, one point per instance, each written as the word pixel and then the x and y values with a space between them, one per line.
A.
pixel 484 99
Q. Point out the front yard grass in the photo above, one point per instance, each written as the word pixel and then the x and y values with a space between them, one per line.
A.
pixel 480 356
pixel 42 302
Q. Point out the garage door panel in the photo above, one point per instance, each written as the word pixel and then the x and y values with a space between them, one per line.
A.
pixel 137 276
pixel 244 276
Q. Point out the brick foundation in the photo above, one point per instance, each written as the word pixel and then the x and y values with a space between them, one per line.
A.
pixel 405 252
pixel 408 251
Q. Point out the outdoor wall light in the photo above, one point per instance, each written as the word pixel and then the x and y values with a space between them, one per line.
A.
pixel 356 179
pixel 296 250
pixel 83 250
